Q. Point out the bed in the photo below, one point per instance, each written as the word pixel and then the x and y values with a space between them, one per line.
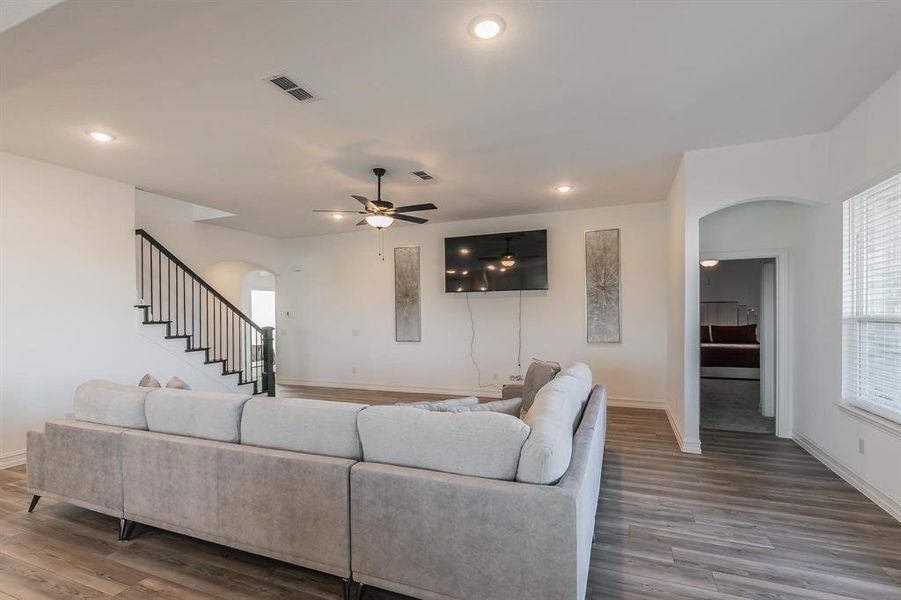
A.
pixel 729 349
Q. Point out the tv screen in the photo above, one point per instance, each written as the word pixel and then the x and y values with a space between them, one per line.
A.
pixel 496 262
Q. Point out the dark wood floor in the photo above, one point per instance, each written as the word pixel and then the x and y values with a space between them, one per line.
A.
pixel 754 517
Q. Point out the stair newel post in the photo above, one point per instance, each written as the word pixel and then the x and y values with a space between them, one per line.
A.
pixel 268 360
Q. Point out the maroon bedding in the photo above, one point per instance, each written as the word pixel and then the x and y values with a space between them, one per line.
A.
pixel 730 355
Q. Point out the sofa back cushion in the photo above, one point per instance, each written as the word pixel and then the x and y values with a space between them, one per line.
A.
pixel 205 415
pixel 111 403
pixel 553 418
pixel 482 444
pixel 301 425
pixel 539 373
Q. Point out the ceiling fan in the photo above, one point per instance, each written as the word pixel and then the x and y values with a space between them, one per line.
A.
pixel 381 213
pixel 508 258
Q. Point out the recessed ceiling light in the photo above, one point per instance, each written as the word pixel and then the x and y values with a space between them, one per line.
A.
pixel 487 27
pixel 451 272
pixel 563 189
pixel 491 267
pixel 503 269
pixel 483 289
pixel 101 136
pixel 709 263
pixel 337 216
pixel 459 289
pixel 465 273
pixel 464 251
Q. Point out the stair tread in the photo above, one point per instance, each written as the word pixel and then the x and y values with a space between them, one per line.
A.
pixel 209 362
pixel 196 349
pixel 177 337
pixel 157 322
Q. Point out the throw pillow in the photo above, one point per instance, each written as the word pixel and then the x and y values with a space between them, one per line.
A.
pixel 177 384
pixel 510 407
pixel 441 405
pixel 149 380
pixel 539 374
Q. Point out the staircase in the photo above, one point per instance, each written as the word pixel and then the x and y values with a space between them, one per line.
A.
pixel 174 296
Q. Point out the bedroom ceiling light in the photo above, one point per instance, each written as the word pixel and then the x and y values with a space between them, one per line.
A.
pixel 465 273
pixel 564 189
pixel 709 263
pixel 101 136
pixel 487 27
pixel 508 260
pixel 379 221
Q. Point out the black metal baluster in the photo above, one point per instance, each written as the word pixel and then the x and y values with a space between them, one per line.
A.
pixel 152 312
pixel 141 241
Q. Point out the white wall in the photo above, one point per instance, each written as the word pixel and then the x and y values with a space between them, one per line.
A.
pixel 731 280
pixel 67 286
pixel 821 170
pixel 333 286
pixel 201 245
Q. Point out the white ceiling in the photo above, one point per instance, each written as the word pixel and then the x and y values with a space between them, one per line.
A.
pixel 603 95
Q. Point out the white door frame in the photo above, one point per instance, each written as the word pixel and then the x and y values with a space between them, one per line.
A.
pixel 784 399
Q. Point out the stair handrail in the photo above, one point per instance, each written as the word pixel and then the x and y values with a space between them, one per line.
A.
pixel 189 271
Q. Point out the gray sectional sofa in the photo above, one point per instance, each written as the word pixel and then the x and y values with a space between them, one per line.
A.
pixel 432 504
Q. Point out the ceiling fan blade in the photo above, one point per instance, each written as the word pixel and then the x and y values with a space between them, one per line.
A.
pixel 356 212
pixel 363 222
pixel 410 219
pixel 365 202
pixel 415 207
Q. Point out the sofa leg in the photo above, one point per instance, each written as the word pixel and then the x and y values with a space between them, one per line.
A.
pixel 34 502
pixel 349 585
pixel 125 529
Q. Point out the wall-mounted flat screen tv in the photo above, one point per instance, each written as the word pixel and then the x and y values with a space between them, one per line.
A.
pixel 496 262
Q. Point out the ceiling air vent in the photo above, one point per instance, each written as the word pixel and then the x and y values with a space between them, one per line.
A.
pixel 422 175
pixel 287 85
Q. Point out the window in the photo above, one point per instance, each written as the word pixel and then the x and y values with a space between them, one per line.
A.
pixel 871 300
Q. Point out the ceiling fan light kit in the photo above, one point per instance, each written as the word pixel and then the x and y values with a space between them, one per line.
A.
pixel 381 213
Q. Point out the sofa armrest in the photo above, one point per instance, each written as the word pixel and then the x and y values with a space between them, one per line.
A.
pixel 35 461
pixel 511 390
pixel 439 535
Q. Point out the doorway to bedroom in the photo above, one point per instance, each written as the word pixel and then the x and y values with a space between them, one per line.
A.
pixel 738 343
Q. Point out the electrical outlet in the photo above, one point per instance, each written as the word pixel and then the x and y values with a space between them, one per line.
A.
pixel 860 447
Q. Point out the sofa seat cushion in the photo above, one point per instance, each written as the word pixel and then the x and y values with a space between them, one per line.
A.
pixel 205 415
pixel 482 444
pixel 109 403
pixel 301 425
pixel 441 405
pixel 553 418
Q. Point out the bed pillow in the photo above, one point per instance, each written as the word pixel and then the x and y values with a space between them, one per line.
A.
pixel 705 334
pixel 733 334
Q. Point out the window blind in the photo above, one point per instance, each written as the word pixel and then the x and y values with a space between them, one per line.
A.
pixel 871 300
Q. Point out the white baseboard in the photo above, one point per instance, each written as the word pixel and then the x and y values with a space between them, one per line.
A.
pixel 486 392
pixel 685 445
pixel 637 403
pixel 12 459
pixel 883 500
